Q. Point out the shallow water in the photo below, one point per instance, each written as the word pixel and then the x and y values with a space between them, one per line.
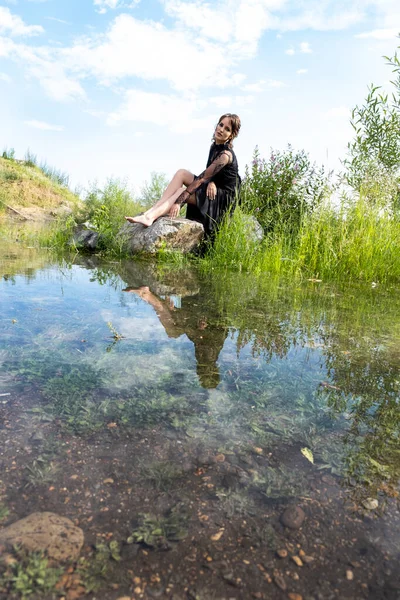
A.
pixel 184 413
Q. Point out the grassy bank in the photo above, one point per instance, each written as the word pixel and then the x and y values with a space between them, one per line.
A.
pixel 357 241
pixel 31 192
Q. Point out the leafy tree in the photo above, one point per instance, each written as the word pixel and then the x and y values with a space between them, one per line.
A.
pixel 374 153
pixel 153 189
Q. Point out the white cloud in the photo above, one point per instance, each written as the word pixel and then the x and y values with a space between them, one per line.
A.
pixel 175 112
pixel 305 48
pixel 46 66
pixel 128 50
pixel 322 15
pixel 44 126
pixel 221 101
pixel 301 71
pixel 275 83
pixel 104 5
pixel 237 23
pixel 337 112
pixel 290 51
pixel 58 20
pixel 225 102
pixel 254 87
pixel 380 34
pixel 13 24
pixel 4 77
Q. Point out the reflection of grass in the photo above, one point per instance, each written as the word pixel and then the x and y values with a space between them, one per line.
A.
pixel 163 475
pixel 282 482
pixel 235 502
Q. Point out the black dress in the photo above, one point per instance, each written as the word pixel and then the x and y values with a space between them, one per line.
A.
pixel 222 169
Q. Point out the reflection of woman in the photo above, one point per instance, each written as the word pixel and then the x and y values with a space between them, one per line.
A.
pixel 208 341
pixel 208 195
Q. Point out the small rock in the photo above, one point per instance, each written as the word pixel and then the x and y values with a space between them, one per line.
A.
pixel 108 480
pixel 297 560
pixel 282 553
pixel 349 575
pixel 280 582
pixel 220 458
pixel 229 578
pixel 293 517
pixel 307 559
pixel 370 504
pixel 293 596
pixel 217 536
pixel 46 531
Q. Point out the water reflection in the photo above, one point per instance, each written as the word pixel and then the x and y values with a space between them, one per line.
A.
pixel 187 319
pixel 212 434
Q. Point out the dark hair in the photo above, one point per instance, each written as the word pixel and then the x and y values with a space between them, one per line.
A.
pixel 235 125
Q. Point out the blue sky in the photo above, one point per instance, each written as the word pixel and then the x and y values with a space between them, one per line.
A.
pixel 121 88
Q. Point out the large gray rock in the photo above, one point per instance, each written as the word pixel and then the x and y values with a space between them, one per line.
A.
pixel 84 238
pixel 254 229
pixel 172 234
pixel 47 532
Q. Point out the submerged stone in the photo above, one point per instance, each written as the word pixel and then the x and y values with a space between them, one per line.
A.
pixel 293 517
pixel 46 532
pixel 180 235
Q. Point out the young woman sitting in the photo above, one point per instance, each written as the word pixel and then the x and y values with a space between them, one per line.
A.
pixel 208 195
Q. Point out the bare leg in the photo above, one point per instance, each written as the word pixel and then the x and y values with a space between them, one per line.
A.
pixel 159 209
pixel 181 178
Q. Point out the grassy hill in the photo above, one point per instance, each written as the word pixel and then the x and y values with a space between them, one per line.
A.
pixel 32 192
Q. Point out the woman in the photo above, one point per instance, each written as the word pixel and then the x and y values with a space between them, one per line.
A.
pixel 208 195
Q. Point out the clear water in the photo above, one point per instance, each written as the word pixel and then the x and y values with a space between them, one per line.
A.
pixel 196 393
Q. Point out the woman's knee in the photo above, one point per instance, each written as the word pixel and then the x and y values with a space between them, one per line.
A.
pixel 185 176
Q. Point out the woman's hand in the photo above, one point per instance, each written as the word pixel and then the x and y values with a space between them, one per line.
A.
pixel 174 211
pixel 211 191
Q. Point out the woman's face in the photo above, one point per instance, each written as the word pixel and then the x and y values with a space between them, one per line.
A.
pixel 223 131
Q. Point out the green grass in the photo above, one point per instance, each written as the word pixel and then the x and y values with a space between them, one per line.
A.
pixel 357 241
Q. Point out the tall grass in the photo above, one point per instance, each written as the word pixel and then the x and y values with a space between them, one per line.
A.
pixel 106 209
pixel 55 175
pixel 357 241
pixel 360 242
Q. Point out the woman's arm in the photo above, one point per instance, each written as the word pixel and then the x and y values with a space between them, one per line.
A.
pixel 219 163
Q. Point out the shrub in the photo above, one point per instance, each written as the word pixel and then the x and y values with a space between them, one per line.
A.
pixel 153 190
pixel 107 208
pixel 30 159
pixel 59 177
pixel 8 154
pixel 280 189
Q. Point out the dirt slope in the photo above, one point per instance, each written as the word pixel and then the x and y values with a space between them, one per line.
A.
pixel 26 193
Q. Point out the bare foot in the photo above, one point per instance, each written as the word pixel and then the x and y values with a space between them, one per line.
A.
pixel 140 219
pixel 143 291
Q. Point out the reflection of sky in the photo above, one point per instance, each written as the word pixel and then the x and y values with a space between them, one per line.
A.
pixel 68 311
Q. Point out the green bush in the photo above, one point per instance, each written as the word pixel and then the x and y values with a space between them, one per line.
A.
pixel 375 150
pixel 279 190
pixel 8 154
pixel 106 210
pixel 152 190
